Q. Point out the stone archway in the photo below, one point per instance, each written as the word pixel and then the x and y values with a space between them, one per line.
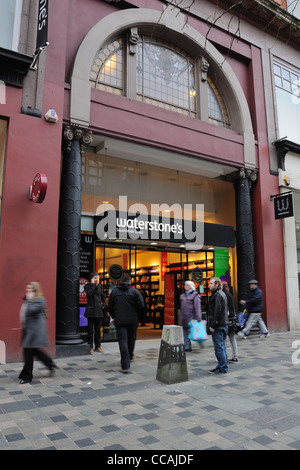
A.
pixel 122 20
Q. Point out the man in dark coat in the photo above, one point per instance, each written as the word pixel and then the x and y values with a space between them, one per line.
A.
pixel 94 312
pixel 125 306
pixel 217 324
pixel 254 306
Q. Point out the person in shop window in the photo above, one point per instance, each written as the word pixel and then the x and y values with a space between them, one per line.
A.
pixel 94 312
pixel 190 309
pixel 144 294
pixel 125 306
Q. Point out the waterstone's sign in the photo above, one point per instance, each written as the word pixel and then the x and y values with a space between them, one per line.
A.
pixel 184 226
pixel 42 26
pixel 283 206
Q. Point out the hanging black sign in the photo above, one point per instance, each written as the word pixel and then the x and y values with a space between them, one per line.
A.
pixel 283 206
pixel 197 275
pixel 42 26
pixel 115 272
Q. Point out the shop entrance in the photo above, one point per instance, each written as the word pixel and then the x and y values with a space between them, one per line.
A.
pixel 158 272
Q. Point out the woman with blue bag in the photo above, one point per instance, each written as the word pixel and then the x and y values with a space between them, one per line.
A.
pixel 190 309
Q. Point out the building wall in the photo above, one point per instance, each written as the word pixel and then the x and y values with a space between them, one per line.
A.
pixel 28 230
pixel 28 237
pixel 28 243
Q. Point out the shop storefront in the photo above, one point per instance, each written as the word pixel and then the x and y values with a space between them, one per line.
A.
pixel 158 262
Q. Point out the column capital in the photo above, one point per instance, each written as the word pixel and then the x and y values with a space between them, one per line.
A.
pixel 71 133
pixel 241 174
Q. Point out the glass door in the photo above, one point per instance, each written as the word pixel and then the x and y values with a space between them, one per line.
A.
pixel 108 255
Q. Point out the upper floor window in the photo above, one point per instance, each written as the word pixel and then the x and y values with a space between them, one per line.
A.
pixel 165 76
pixel 287 91
pixel 10 20
pixel 107 71
pixel 156 72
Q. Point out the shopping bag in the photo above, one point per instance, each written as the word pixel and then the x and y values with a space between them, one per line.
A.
pixel 242 319
pixel 198 330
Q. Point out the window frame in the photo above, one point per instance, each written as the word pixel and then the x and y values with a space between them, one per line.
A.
pixel 201 107
pixel 11 42
pixel 292 70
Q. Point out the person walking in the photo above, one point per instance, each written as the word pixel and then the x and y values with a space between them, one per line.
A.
pixel 217 324
pixel 125 306
pixel 254 306
pixel 190 309
pixel 34 329
pixel 232 320
pixel 96 303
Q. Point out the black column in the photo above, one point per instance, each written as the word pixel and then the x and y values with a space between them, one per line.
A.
pixel 68 261
pixel 244 231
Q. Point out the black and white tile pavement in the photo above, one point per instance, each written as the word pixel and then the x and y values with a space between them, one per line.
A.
pixel 90 405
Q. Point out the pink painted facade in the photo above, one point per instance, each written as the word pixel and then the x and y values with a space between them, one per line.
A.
pixel 28 243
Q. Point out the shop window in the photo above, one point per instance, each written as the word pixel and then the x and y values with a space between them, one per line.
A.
pixel 156 72
pixel 105 178
pixel 10 19
pixel 287 92
pixel 3 132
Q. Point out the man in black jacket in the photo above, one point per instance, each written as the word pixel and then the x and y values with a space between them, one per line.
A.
pixel 217 324
pixel 125 306
pixel 94 312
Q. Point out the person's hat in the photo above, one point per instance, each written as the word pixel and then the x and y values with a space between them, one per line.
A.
pixel 254 281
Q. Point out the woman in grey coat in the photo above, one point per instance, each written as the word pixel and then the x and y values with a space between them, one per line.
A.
pixel 33 318
pixel 190 309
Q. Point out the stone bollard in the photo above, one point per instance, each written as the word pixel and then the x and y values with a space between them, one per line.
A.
pixel 2 353
pixel 172 366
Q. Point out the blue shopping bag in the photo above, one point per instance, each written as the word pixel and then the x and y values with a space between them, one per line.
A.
pixel 242 319
pixel 198 330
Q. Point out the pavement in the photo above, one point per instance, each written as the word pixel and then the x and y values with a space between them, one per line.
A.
pixel 90 405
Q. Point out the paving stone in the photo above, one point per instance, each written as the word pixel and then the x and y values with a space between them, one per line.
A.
pixel 89 405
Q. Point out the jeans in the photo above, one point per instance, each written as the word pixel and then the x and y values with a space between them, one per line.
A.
pixel 234 346
pixel 126 338
pixel 186 340
pixel 253 319
pixel 219 341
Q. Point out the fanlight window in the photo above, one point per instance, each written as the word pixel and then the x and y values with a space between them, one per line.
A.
pixel 217 113
pixel 165 76
pixel 107 72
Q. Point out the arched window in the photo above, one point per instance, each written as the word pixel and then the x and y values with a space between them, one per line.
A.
pixel 107 72
pixel 164 76
pixel 156 72
pixel 217 113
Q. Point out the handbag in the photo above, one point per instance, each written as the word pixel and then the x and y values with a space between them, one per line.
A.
pixel 198 330
pixel 234 325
